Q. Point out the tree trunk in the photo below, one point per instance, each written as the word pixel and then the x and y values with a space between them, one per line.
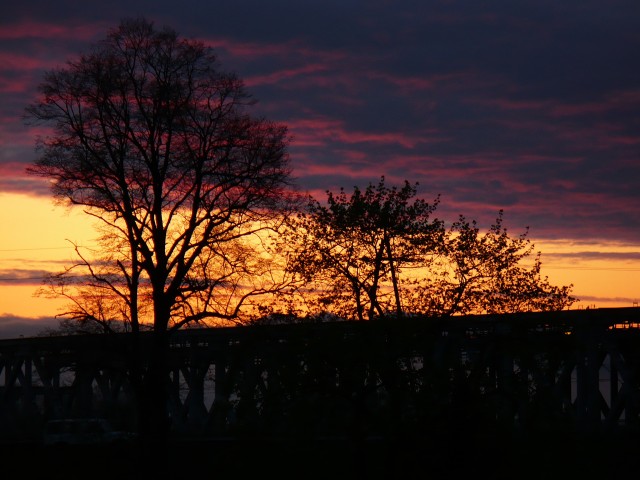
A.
pixel 155 422
pixel 394 278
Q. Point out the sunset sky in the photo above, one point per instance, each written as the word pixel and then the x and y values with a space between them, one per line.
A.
pixel 529 106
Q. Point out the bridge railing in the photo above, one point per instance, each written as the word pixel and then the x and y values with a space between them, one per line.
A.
pixel 571 369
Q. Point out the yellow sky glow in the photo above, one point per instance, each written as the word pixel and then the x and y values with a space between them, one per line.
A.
pixel 35 234
pixel 609 279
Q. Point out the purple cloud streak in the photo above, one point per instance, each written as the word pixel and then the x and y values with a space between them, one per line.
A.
pixel 528 106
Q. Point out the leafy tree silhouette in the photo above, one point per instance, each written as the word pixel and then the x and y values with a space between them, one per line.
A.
pixel 352 250
pixel 378 252
pixel 472 273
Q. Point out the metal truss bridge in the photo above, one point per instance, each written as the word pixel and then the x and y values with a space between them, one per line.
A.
pixel 576 369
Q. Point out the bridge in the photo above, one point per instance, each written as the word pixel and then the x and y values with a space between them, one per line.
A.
pixel 577 370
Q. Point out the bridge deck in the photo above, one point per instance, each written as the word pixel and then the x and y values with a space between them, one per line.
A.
pixel 572 370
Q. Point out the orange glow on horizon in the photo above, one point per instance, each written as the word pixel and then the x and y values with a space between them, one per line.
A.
pixel 36 232
pixel 603 274
pixel 35 241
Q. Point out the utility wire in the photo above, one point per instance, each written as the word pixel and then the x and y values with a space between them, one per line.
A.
pixel 18 279
pixel 31 249
pixel 605 269
pixel 38 248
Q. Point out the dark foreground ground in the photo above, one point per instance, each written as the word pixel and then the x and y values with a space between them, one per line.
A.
pixel 543 457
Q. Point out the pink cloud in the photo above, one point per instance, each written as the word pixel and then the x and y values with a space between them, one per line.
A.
pixel 20 135
pixel 288 50
pixel 30 29
pixel 599 136
pixel 18 61
pixel 504 103
pixel 629 140
pixel 285 74
pixel 294 63
pixel 12 169
pixel 444 82
pixel 245 49
pixel 621 100
pixel 618 100
pixel 339 85
pixel 18 70
pixel 12 86
pixel 409 84
pixel 340 169
pixel 321 131
pixel 565 110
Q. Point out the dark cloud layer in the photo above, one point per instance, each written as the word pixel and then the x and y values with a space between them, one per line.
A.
pixel 15 327
pixel 530 106
pixel 20 276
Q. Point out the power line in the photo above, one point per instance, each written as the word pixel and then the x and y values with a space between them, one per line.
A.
pixel 18 279
pixel 544 267
pixel 31 249
pixel 604 269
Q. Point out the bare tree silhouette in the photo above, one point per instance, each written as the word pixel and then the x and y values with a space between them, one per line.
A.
pixel 157 144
